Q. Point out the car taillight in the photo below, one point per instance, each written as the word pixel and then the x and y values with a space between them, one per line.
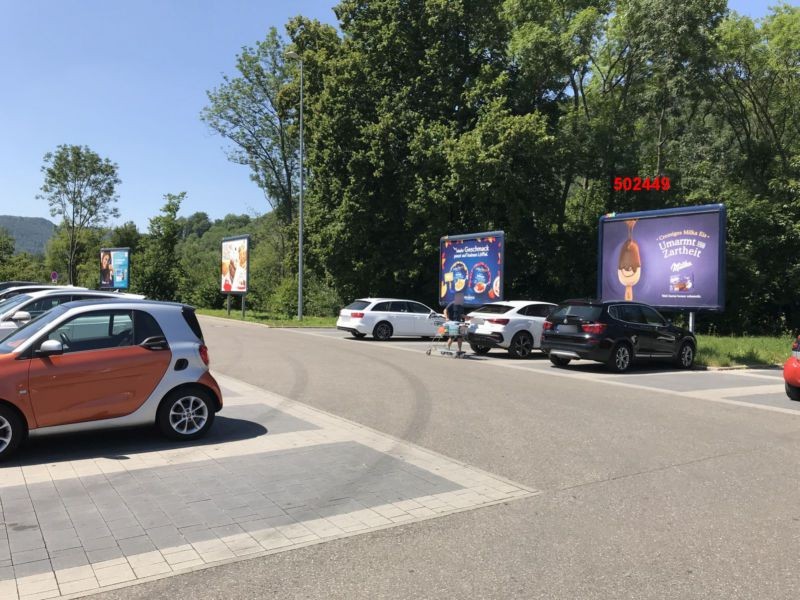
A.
pixel 547 326
pixel 357 315
pixel 498 321
pixel 204 353
pixel 593 327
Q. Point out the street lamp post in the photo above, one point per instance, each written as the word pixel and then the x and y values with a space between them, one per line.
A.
pixel 296 56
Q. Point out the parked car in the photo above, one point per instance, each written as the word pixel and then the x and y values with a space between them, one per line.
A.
pixel 615 333
pixel 21 308
pixel 514 325
pixel 8 284
pixel 99 363
pixel 384 318
pixel 10 292
pixel 791 372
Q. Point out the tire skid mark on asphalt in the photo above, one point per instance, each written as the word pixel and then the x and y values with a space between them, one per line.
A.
pixel 593 378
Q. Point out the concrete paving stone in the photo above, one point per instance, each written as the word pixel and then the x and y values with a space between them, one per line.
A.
pixel 98 539
pixel 189 564
pixel 26 556
pixel 104 554
pixel 83 585
pixel 6 573
pixel 74 574
pixel 137 545
pixel 8 589
pixel 42 595
pixel 146 558
pixel 69 559
pixel 152 569
pixel 27 543
pixel 28 585
pixel 197 533
pixel 114 575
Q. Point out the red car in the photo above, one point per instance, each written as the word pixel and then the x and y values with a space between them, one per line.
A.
pixel 791 372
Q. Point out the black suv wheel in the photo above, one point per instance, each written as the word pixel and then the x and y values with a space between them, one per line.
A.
pixel 621 358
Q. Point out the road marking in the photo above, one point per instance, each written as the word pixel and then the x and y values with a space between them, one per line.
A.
pixel 609 378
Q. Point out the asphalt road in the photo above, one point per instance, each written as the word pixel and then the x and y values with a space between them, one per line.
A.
pixel 660 484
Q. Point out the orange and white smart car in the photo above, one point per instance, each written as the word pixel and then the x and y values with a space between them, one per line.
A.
pixel 98 363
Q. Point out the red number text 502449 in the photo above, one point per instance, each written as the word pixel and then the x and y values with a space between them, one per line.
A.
pixel 638 184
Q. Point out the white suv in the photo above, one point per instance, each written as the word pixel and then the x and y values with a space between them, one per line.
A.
pixel 515 325
pixel 387 317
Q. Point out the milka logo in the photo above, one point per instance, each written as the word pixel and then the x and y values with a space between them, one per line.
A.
pixel 680 265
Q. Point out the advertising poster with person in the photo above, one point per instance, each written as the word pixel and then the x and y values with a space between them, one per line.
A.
pixel 115 268
pixel 235 264
pixel 672 258
pixel 472 264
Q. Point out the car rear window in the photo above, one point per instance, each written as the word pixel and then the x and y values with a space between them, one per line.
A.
pixel 582 311
pixel 495 309
pixel 145 326
pixel 357 305
pixel 192 322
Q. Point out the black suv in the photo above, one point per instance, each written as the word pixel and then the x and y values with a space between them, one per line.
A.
pixel 615 333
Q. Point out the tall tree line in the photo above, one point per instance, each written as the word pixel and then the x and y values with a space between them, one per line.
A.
pixel 432 117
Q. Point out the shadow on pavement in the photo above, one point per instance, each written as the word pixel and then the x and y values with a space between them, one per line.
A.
pixel 116 444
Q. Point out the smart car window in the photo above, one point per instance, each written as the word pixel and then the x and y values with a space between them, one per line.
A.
pixel 94 331
pixel 144 326
pixel 29 330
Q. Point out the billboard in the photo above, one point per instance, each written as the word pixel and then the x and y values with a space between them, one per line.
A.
pixel 235 265
pixel 472 263
pixel 115 268
pixel 671 259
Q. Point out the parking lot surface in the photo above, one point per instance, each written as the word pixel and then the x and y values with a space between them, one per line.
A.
pixel 345 468
pixel 273 475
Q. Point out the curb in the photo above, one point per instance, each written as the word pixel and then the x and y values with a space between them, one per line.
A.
pixel 741 368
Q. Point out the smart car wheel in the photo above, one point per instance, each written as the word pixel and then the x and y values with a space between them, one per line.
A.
pixel 12 430
pixel 186 414
pixel 685 357
pixel 480 349
pixel 793 392
pixel 382 331
pixel 620 359
pixel 521 345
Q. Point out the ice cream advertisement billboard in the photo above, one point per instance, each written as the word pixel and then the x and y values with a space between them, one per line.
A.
pixel 473 264
pixel 235 264
pixel 671 259
pixel 115 268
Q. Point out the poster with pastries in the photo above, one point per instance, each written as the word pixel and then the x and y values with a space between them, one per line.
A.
pixel 235 265
pixel 473 264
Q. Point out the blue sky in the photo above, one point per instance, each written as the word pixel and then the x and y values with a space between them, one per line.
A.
pixel 129 79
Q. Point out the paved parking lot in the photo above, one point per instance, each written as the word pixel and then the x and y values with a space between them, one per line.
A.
pixel 757 388
pixel 84 513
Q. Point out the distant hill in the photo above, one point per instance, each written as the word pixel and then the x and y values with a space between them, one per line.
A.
pixel 30 233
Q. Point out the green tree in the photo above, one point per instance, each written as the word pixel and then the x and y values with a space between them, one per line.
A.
pixel 158 272
pixel 125 236
pixel 252 113
pixel 80 188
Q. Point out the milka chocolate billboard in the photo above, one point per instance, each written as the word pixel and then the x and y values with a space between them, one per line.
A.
pixel 672 258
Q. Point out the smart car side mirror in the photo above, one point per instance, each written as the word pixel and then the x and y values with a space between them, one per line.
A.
pixel 50 347
pixel 21 315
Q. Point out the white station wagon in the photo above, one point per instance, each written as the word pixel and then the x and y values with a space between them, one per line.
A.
pixel 386 317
